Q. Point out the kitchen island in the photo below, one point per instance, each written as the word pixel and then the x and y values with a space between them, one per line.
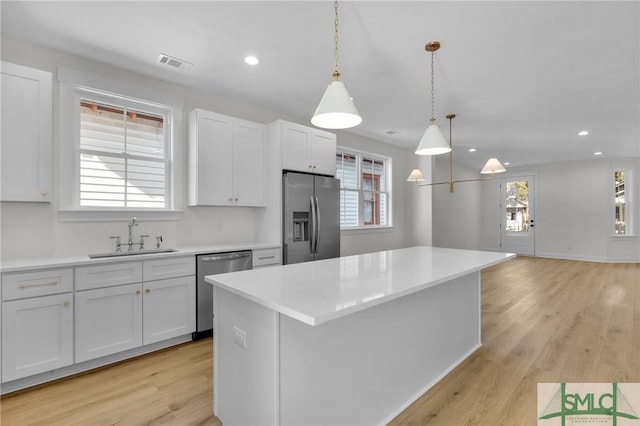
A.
pixel 352 340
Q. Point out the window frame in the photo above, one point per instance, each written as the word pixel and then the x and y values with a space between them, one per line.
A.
pixel 75 86
pixel 358 154
pixel 630 201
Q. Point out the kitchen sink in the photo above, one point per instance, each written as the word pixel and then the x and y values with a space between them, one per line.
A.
pixel 129 253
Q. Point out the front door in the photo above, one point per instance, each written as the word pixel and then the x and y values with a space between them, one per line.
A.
pixel 517 213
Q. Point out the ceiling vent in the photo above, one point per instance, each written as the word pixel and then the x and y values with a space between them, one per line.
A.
pixel 174 62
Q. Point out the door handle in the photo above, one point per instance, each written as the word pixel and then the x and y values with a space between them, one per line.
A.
pixel 314 225
pixel 318 225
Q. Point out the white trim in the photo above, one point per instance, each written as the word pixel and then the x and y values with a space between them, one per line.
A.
pixel 630 200
pixel 118 215
pixel 388 170
pixel 72 85
pixel 584 258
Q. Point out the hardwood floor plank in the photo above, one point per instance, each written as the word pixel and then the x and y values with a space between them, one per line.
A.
pixel 543 320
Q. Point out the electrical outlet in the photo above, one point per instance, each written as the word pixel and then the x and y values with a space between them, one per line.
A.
pixel 240 337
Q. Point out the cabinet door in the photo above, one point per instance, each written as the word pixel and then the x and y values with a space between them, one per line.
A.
pixel 295 139
pixel 37 335
pixel 26 134
pixel 108 320
pixel 210 159
pixel 169 308
pixel 323 153
pixel 249 163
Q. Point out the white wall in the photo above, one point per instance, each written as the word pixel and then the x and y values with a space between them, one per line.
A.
pixel 573 217
pixel 33 229
pixel 419 213
pixel 455 225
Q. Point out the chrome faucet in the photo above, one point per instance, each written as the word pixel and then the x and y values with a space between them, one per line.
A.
pixel 131 225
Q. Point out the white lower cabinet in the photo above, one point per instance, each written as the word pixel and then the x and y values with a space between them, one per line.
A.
pixel 108 320
pixel 168 309
pixel 37 335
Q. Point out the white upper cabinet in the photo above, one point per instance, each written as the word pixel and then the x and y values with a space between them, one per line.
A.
pixel 227 160
pixel 306 149
pixel 26 134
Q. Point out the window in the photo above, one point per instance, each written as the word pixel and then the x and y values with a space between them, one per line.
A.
pixel 123 161
pixel 620 203
pixel 118 155
pixel 364 189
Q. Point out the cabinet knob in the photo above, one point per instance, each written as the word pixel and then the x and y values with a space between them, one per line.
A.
pixel 230 199
pixel 236 200
pixel 148 290
pixel 66 304
pixel 138 291
pixel 44 192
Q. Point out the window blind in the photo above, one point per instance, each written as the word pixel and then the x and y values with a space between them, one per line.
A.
pixel 123 159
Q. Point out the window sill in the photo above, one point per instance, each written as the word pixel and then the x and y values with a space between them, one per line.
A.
pixel 366 229
pixel 117 215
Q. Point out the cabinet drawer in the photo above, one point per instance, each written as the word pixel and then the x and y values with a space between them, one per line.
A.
pixel 171 267
pixel 265 257
pixel 90 277
pixel 40 283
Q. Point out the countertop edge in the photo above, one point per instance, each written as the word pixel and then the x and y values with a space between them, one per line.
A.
pixel 322 319
pixel 34 264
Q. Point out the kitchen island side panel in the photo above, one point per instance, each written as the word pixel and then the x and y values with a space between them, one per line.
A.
pixel 245 378
pixel 365 368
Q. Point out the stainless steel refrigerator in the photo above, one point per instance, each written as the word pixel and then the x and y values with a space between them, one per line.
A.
pixel 311 217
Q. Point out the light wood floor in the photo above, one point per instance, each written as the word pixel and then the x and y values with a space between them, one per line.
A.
pixel 544 320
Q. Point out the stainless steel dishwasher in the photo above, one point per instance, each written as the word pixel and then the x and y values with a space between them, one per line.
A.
pixel 210 264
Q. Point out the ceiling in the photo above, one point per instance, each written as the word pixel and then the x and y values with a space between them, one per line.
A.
pixel 523 77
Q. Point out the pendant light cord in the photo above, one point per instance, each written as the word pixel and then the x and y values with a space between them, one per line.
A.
pixel 433 95
pixel 336 73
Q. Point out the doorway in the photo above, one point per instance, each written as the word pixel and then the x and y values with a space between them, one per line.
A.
pixel 517 214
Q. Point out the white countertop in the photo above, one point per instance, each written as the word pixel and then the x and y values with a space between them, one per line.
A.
pixel 324 290
pixel 30 264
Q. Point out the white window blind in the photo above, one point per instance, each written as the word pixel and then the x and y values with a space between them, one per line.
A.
pixel 123 157
pixel 364 196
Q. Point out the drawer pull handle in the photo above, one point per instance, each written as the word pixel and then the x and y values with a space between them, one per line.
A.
pixel 266 257
pixel 38 284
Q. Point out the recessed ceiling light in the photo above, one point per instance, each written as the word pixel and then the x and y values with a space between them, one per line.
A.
pixel 472 150
pixel 597 153
pixel 251 60
pixel 583 133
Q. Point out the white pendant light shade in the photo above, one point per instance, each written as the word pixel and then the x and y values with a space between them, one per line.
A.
pixel 336 109
pixel 433 142
pixel 492 166
pixel 415 176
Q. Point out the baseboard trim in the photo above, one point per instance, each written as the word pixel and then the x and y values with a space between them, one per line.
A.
pixel 584 258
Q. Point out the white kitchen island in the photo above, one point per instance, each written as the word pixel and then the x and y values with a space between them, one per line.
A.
pixel 346 341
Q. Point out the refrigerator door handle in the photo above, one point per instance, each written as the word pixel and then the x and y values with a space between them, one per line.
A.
pixel 314 231
pixel 318 224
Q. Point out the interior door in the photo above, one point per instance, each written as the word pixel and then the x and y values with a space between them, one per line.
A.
pixel 517 214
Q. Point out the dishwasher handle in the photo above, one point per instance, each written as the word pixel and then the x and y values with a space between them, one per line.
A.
pixel 226 256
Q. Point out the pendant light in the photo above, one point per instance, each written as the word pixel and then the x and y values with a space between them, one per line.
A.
pixel 336 109
pixel 491 167
pixel 433 142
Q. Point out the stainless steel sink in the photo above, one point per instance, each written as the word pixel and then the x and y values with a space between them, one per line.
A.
pixel 129 253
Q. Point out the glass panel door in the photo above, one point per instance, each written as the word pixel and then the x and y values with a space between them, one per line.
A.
pixel 517 215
